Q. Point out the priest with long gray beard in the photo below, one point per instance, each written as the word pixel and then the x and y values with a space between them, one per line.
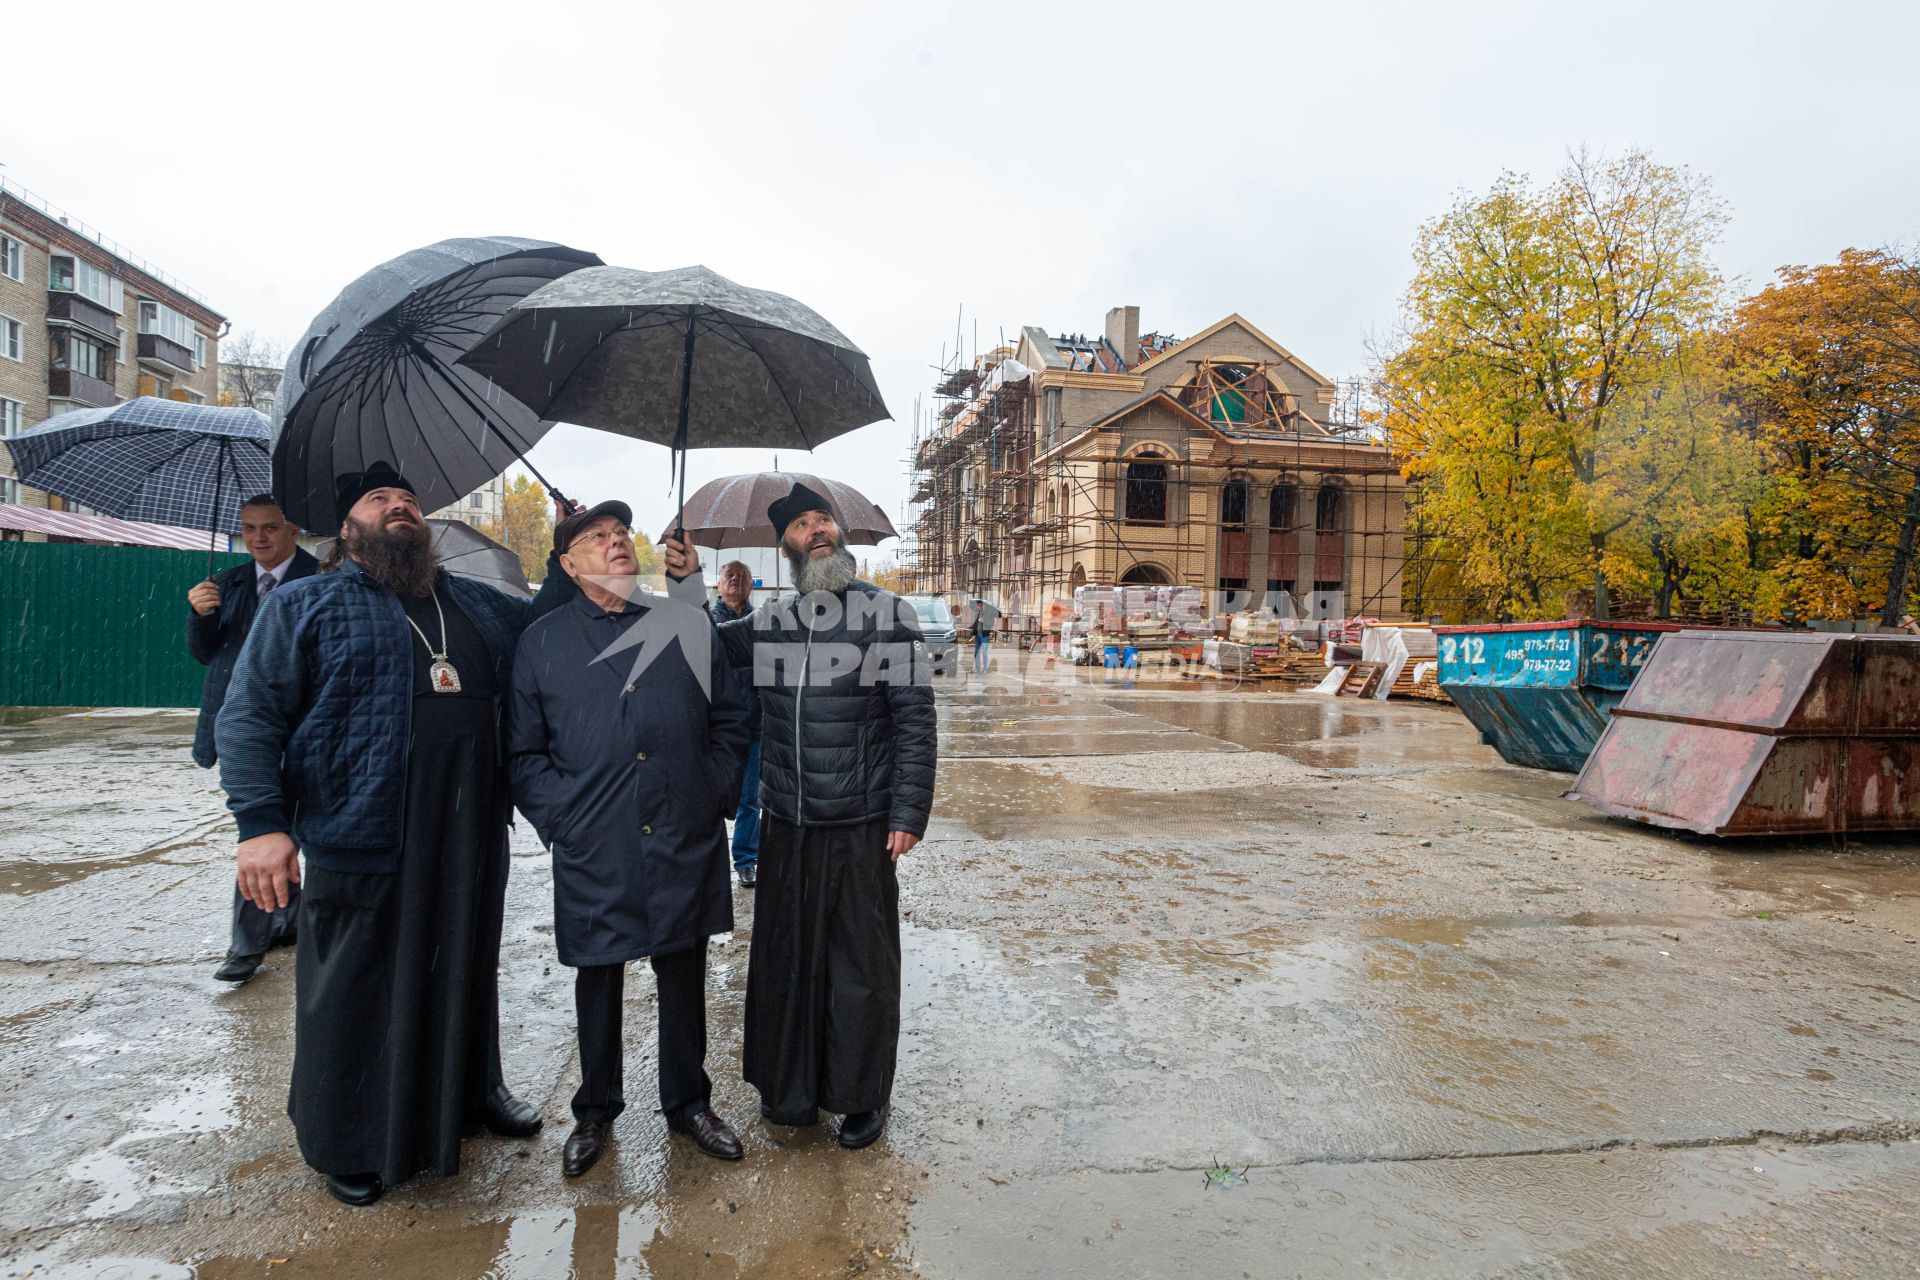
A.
pixel 362 728
pixel 846 772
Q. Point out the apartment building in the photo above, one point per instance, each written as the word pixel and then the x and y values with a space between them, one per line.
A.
pixel 84 322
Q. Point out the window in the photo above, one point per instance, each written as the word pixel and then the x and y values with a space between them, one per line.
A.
pixel 1233 505
pixel 193 397
pixel 1146 492
pixel 10 411
pixel 13 256
pixel 152 384
pixel 9 490
pixel 68 274
pixel 12 335
pixel 85 355
pixel 199 350
pixel 1327 513
pixel 476 500
pixel 166 322
pixel 1280 508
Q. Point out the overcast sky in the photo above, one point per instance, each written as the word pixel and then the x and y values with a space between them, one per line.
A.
pixel 893 164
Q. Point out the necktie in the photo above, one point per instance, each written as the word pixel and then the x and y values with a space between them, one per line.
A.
pixel 267 583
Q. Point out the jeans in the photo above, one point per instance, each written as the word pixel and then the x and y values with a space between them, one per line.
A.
pixel 746 819
pixel 980 644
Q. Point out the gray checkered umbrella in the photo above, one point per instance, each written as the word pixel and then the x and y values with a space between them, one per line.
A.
pixel 162 461
pixel 376 376
pixel 684 358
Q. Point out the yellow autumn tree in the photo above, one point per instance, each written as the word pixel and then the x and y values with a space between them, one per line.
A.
pixel 1827 365
pixel 1538 320
pixel 526 525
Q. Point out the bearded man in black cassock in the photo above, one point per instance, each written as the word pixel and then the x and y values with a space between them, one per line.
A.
pixel 362 728
pixel 848 746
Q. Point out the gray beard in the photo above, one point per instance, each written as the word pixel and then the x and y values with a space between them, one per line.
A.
pixel 829 573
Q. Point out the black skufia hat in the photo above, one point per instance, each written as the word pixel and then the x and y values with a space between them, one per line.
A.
pixel 352 486
pixel 798 502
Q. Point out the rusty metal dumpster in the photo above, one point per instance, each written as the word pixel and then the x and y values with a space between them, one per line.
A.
pixel 1762 733
pixel 1539 692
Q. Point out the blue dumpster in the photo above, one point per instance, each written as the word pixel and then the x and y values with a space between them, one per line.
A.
pixel 1540 692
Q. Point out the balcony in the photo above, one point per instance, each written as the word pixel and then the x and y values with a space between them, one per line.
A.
pixel 81 388
pixel 154 349
pixel 73 309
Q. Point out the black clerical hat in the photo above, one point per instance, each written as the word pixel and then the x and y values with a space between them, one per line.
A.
pixel 798 502
pixel 351 486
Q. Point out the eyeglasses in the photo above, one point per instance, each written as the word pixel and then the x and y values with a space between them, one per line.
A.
pixel 598 537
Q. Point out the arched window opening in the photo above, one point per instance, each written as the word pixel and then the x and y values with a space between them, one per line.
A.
pixel 1146 491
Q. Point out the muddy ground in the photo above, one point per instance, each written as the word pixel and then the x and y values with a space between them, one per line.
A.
pixel 1217 984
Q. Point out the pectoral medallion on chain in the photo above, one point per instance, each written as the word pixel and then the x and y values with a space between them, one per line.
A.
pixel 442 676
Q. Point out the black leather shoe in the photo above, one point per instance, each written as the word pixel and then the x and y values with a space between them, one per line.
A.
pixel 236 968
pixel 709 1132
pixel 584 1145
pixel 357 1189
pixel 792 1122
pixel 507 1116
pixel 749 876
pixel 861 1128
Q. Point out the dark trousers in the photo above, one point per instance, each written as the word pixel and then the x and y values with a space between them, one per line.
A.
pixel 680 978
pixel 254 930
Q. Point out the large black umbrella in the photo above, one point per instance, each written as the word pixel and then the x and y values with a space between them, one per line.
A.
pixel 162 461
pixel 684 358
pixel 377 376
pixel 468 552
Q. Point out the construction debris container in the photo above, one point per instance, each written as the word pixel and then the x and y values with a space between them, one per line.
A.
pixel 1766 733
pixel 1539 692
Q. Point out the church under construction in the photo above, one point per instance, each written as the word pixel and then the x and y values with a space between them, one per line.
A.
pixel 1136 459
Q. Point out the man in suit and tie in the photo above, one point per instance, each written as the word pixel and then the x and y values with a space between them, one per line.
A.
pixel 223 609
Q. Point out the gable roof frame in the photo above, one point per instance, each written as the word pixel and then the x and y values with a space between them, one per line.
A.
pixel 1233 318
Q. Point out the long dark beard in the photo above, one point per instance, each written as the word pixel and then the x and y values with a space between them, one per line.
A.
pixel 400 557
pixel 829 573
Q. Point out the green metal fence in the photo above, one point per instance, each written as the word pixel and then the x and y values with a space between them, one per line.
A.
pixel 87 626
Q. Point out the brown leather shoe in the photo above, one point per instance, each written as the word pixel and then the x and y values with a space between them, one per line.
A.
pixel 709 1132
pixel 584 1145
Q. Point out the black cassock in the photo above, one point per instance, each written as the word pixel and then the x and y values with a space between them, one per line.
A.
pixel 397 1026
pixel 823 973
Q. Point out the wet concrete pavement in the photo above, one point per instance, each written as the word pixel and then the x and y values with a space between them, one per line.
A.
pixel 1196 982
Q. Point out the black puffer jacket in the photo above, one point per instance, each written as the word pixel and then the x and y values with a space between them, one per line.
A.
pixel 848 727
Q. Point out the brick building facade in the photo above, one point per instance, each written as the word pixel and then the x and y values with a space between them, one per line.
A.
pixel 84 323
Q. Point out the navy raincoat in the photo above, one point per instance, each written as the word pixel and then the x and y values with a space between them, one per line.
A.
pixel 629 785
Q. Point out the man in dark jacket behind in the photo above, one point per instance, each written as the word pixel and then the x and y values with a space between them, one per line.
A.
pixel 223 608
pixel 733 600
pixel 627 770
pixel 362 729
pixel 848 744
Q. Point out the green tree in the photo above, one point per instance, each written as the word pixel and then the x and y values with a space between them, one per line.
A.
pixel 1539 320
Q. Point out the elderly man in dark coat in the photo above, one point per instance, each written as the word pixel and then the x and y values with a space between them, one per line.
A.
pixel 627 769
pixel 848 744
pixel 223 608
pixel 362 730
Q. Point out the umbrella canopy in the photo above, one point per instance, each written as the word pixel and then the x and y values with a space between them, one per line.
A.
pixel 732 511
pixel 685 358
pixel 160 461
pixel 376 375
pixel 468 552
